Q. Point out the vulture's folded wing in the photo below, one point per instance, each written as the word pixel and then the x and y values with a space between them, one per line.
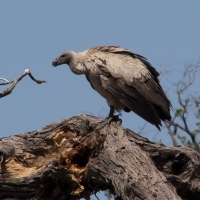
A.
pixel 130 78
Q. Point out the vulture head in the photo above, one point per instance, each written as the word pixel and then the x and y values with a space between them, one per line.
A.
pixel 64 58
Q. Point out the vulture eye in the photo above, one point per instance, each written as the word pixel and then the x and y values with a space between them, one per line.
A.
pixel 62 56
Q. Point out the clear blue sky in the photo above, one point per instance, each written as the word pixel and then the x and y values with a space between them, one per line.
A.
pixel 33 33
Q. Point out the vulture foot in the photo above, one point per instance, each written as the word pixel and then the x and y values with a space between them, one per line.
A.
pixel 108 120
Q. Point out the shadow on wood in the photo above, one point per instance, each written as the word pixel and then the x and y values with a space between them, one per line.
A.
pixel 69 160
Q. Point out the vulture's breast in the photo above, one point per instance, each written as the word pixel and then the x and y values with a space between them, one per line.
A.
pixel 99 85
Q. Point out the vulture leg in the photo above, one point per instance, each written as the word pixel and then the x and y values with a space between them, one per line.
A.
pixel 111 117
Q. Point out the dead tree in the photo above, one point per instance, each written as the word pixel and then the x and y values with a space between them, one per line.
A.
pixel 71 160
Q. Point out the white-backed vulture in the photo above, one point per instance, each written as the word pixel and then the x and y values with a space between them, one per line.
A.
pixel 126 80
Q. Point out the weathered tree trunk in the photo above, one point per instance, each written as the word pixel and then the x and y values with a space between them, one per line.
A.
pixel 69 160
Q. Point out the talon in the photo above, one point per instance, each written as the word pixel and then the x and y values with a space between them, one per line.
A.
pixel 119 121
pixel 116 118
pixel 109 119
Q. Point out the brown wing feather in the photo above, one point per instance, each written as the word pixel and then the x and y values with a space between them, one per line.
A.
pixel 133 100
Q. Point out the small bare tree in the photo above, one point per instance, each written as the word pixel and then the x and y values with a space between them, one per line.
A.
pixel 180 127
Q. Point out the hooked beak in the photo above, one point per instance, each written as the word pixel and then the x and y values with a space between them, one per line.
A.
pixel 56 62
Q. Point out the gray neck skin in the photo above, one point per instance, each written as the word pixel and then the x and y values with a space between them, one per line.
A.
pixel 75 65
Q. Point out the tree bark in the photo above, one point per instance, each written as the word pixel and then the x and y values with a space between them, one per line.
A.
pixel 71 160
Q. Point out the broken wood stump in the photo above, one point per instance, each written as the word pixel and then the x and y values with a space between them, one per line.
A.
pixel 71 160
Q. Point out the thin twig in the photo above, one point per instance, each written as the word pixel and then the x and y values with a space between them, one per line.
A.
pixel 141 129
pixel 14 82
pixel 6 81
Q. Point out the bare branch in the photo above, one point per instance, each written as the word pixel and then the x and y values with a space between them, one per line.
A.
pixel 190 73
pixel 95 194
pixel 172 133
pixel 141 129
pixel 184 128
pixel 6 81
pixel 14 82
